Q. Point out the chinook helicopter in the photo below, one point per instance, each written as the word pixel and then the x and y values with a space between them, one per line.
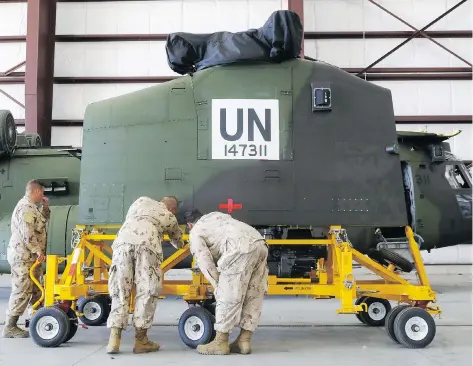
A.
pixel 288 145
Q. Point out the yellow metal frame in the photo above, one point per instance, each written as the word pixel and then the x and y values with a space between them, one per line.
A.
pixel 86 274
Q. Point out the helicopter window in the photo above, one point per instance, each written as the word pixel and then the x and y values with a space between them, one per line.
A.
pixel 455 177
pixel 464 200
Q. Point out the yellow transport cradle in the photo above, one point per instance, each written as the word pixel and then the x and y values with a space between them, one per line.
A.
pixel 82 292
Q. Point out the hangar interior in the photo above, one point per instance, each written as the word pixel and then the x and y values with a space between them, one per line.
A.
pixel 59 56
pixel 102 49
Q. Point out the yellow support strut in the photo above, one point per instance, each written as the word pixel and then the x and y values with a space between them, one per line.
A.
pixel 86 274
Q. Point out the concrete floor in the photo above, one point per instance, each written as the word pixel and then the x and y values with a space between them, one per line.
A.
pixel 292 330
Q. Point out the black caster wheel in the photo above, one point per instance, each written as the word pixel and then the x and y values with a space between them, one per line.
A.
pixel 210 305
pixel 358 302
pixel 196 326
pixel 7 132
pixel 414 328
pixel 389 323
pixel 74 325
pixel 386 257
pixel 377 311
pixel 95 310
pixel 50 326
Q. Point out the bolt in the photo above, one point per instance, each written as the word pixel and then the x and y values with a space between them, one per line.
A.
pixel 195 327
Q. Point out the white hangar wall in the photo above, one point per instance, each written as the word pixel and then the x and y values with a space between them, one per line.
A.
pixel 12 53
pixel 410 98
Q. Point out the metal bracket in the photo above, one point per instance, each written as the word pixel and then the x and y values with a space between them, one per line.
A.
pixel 423 34
pixel 416 33
pixel 348 283
pixel 76 237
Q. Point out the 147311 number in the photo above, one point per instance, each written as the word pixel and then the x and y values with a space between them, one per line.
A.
pixel 248 149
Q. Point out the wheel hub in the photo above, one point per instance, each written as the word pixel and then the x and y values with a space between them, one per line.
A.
pixel 92 310
pixel 416 328
pixel 376 311
pixel 194 328
pixel 47 327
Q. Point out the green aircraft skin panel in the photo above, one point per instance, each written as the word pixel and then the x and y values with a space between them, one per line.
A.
pixel 48 165
pixel 172 123
pixel 157 141
pixel 45 164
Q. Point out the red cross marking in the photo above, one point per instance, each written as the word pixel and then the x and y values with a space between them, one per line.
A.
pixel 230 206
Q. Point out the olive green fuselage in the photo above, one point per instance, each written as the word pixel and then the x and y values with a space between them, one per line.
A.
pixel 337 166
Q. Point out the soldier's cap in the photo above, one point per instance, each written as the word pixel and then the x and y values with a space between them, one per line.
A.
pixel 192 216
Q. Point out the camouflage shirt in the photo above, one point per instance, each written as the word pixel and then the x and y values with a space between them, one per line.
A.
pixel 28 227
pixel 146 223
pixel 216 239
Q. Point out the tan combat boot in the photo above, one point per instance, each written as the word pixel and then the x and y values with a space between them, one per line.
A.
pixel 11 330
pixel 143 344
pixel 242 343
pixel 219 346
pixel 114 341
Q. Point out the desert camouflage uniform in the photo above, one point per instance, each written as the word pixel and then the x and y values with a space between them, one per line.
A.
pixel 28 239
pixel 137 258
pixel 233 257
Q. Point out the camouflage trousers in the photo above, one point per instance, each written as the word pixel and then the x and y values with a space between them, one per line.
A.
pixel 139 266
pixel 24 293
pixel 240 294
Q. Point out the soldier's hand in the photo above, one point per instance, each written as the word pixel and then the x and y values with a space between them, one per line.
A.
pixel 45 201
pixel 41 258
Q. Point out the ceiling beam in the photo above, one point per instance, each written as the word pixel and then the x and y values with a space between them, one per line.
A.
pixel 307 35
pixel 454 34
pixel 377 73
pixel 416 33
pixel 447 119
pixel 409 74
pixel 408 120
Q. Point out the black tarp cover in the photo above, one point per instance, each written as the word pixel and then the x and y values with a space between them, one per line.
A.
pixel 278 40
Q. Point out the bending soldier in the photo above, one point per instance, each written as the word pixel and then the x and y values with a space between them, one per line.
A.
pixel 233 257
pixel 27 244
pixel 137 258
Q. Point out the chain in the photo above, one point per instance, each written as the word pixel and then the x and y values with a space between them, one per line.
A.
pixel 341 236
pixel 76 236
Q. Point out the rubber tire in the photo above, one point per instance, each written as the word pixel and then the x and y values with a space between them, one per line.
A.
pixel 74 325
pixel 207 319
pixel 358 302
pixel 365 314
pixel 64 326
pixel 389 322
pixel 8 132
pixel 385 256
pixel 103 302
pixel 400 323
pixel 377 257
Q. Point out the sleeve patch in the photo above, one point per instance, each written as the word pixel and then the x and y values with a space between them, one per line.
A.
pixel 29 217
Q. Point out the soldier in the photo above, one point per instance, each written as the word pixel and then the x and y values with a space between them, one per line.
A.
pixel 137 258
pixel 27 244
pixel 233 257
